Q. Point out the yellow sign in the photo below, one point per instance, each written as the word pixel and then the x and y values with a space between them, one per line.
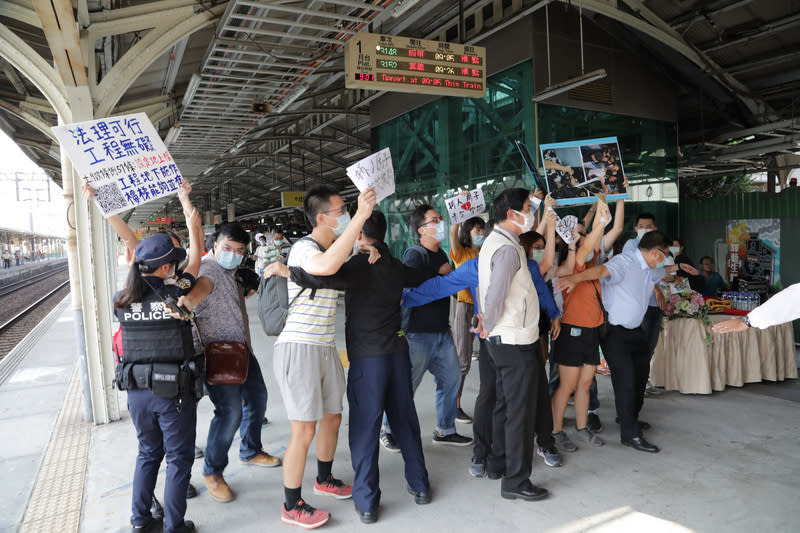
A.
pixel 292 198
pixel 405 64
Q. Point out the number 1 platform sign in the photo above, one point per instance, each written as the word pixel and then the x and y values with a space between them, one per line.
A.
pixel 465 206
pixel 122 158
pixel 375 171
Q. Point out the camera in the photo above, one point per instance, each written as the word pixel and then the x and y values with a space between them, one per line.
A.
pixel 172 303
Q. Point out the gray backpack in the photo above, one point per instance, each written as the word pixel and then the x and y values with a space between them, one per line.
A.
pixel 273 301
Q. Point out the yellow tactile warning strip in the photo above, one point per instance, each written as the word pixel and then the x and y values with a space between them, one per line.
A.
pixel 55 504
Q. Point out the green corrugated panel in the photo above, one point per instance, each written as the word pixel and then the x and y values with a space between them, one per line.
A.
pixel 742 206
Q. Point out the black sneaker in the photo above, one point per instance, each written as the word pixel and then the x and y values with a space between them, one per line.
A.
pixel 463 417
pixel 191 492
pixel 388 442
pixel 594 424
pixel 154 526
pixel 453 439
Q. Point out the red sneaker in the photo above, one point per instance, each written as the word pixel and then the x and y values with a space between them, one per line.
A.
pixel 333 487
pixel 304 515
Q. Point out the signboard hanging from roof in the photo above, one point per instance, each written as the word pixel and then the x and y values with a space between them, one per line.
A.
pixel 405 64
pixel 122 158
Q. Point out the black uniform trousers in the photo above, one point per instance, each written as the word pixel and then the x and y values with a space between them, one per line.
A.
pixel 375 384
pixel 628 356
pixel 518 368
pixel 485 430
pixel 162 429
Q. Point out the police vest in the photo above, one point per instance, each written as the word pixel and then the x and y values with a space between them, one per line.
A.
pixel 151 335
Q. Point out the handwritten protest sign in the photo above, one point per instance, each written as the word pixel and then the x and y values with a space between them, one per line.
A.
pixel 123 158
pixel 375 171
pixel 465 206
pixel 565 227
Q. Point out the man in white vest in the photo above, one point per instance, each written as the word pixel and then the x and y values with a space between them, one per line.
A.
pixel 511 326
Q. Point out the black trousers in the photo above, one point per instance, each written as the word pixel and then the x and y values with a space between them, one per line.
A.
pixel 628 356
pixel 375 384
pixel 518 368
pixel 485 426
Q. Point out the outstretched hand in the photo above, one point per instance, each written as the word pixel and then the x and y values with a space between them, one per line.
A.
pixel 565 284
pixel 729 326
pixel 276 269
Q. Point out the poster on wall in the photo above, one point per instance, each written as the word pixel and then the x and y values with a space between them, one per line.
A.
pixel 754 250
pixel 123 158
pixel 576 171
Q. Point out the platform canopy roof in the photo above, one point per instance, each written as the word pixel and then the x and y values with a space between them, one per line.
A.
pixel 198 66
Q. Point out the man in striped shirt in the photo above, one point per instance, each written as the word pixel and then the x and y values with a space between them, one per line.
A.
pixel 306 363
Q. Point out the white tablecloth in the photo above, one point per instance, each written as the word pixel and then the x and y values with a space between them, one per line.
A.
pixel 683 361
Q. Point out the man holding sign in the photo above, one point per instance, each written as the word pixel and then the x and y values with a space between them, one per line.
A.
pixel 306 363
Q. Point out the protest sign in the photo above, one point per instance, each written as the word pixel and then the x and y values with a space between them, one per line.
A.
pixel 374 171
pixel 576 171
pixel 122 158
pixel 565 227
pixel 465 206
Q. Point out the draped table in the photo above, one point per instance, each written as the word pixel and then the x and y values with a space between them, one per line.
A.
pixel 682 360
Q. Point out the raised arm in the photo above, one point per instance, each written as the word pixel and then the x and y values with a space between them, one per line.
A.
pixel 455 244
pixel 568 283
pixel 592 241
pixel 195 227
pixel 616 230
pixel 549 256
pixel 124 232
pixel 328 262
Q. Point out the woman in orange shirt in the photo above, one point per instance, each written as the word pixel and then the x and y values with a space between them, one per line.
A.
pixel 465 243
pixel 576 351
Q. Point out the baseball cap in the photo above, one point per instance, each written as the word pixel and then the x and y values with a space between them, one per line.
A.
pixel 158 250
pixel 259 236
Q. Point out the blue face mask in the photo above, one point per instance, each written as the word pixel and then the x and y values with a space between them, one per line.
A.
pixel 229 260
pixel 477 240
pixel 440 234
pixel 660 264
pixel 590 256
pixel 343 221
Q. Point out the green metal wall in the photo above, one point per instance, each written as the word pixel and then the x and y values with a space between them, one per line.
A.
pixel 454 143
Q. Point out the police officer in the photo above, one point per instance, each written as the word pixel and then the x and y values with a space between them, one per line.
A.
pixel 162 377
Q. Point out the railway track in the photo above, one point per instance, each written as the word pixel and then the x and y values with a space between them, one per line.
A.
pixel 17 285
pixel 15 328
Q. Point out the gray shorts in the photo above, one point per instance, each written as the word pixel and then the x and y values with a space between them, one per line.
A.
pixel 311 380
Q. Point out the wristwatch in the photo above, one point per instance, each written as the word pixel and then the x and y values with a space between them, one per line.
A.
pixel 746 321
pixel 571 249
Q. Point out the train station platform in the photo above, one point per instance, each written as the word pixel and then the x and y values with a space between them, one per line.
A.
pixel 728 462
pixel 18 272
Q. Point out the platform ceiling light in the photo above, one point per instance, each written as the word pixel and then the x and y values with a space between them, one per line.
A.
pixel 172 135
pixel 568 85
pixel 194 83
pixel 402 7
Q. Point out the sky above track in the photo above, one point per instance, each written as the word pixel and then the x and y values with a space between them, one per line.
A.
pixel 28 198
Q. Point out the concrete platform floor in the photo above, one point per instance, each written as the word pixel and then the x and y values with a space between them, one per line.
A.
pixel 729 462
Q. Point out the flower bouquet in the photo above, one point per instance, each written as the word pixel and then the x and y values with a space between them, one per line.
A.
pixel 688 304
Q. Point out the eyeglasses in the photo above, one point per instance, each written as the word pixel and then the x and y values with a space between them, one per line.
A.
pixel 337 211
pixel 663 252
pixel 434 220
pixel 582 233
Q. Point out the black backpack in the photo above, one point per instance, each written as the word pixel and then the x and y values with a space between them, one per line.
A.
pixel 273 300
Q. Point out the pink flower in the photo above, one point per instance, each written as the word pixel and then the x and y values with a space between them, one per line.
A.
pixel 674 299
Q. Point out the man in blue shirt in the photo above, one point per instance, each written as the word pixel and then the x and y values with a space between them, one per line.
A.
pixel 628 282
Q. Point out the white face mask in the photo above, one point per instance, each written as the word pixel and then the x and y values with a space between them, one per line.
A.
pixel 529 220
pixel 674 250
pixel 641 232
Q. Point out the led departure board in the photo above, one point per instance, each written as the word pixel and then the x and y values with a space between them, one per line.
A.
pixel 403 64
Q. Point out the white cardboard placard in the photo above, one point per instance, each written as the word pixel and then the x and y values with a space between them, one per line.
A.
pixel 465 206
pixel 122 158
pixel 374 171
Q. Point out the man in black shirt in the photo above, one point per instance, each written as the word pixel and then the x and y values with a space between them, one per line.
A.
pixel 380 370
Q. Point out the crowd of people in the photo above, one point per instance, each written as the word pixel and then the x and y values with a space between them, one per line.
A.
pixel 528 293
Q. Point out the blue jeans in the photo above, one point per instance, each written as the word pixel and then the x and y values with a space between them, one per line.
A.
pixel 436 353
pixel 161 429
pixel 236 406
